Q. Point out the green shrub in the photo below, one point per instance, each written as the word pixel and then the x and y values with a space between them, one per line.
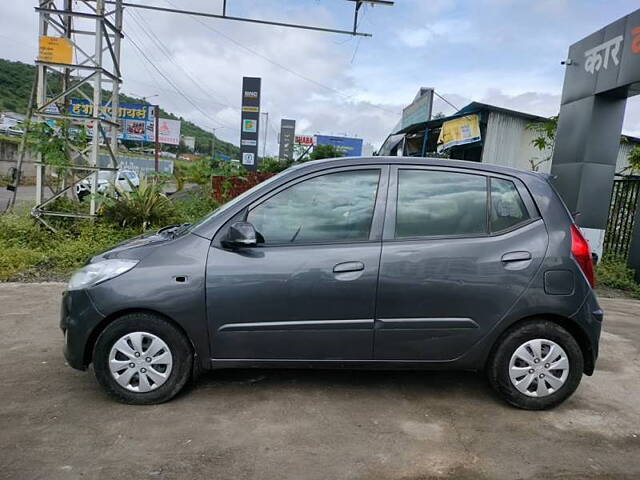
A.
pixel 194 205
pixel 613 272
pixel 141 207
pixel 31 252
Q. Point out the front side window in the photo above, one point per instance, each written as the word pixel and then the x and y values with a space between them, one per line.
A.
pixel 329 208
pixel 507 208
pixel 439 203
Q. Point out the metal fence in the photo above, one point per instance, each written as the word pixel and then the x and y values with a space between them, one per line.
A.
pixel 624 202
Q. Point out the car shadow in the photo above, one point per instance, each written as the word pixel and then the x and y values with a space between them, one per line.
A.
pixel 425 383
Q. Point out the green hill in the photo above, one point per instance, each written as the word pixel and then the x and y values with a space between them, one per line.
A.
pixel 15 88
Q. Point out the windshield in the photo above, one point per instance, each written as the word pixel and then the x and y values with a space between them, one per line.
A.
pixel 226 206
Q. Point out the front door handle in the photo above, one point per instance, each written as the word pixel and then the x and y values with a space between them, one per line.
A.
pixel 516 257
pixel 348 267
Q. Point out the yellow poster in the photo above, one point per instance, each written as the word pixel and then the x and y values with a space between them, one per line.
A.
pixel 459 131
pixel 55 50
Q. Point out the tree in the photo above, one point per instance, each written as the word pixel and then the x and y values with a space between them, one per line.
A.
pixel 544 141
pixel 325 151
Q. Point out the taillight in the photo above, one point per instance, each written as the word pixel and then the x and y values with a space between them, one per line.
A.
pixel 582 253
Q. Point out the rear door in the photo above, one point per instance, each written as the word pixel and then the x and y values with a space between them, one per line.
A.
pixel 454 259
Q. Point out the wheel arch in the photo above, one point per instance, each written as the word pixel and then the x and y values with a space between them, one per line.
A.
pixel 95 333
pixel 568 324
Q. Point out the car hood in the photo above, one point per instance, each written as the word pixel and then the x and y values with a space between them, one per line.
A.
pixel 136 247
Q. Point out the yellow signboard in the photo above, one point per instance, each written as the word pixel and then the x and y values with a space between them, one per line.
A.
pixel 459 131
pixel 55 50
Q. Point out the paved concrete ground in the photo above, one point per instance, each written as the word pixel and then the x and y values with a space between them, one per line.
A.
pixel 56 423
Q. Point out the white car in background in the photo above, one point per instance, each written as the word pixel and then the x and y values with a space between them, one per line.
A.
pixel 124 180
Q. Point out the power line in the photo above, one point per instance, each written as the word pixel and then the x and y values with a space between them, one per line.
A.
pixel 173 85
pixel 279 65
pixel 167 53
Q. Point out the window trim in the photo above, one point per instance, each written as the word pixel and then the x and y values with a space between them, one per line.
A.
pixel 392 204
pixel 379 205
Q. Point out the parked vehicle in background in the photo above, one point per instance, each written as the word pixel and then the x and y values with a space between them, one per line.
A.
pixel 383 262
pixel 123 179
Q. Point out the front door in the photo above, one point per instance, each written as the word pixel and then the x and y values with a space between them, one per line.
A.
pixel 308 290
pixel 454 260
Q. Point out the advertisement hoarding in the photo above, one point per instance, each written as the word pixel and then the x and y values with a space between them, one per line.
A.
pixel 349 147
pixel 287 137
pixel 459 131
pixel 305 140
pixel 137 121
pixel 419 110
pixel 250 119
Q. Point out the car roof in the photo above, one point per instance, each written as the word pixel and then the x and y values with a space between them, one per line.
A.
pixel 419 161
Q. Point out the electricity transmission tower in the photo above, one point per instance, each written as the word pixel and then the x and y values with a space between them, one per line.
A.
pixel 92 35
pixel 80 55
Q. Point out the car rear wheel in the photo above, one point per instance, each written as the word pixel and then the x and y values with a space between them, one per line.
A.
pixel 142 359
pixel 536 365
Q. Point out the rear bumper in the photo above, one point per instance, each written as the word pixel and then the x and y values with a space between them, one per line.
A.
pixel 78 319
pixel 590 317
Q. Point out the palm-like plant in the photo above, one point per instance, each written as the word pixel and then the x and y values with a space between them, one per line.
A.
pixel 139 207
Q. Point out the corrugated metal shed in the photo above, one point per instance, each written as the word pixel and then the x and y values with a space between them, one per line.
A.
pixel 508 142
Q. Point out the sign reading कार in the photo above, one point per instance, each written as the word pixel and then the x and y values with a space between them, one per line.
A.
pixel 55 50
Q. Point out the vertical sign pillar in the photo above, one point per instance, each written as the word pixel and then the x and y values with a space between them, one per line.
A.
pixel 249 131
pixel 602 70
pixel 287 137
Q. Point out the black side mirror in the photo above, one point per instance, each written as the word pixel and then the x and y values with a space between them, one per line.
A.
pixel 240 234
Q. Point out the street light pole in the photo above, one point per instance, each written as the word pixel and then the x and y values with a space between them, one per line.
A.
pixel 213 144
pixel 266 126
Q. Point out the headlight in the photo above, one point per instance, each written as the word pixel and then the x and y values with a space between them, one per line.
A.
pixel 98 272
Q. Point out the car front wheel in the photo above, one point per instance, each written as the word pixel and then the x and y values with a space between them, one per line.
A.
pixel 142 359
pixel 536 365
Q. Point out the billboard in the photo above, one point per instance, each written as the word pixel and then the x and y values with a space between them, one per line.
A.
pixel 287 137
pixel 459 131
pixel 306 140
pixel 419 110
pixel 169 131
pixel 349 147
pixel 137 121
pixel 250 119
pixel 189 142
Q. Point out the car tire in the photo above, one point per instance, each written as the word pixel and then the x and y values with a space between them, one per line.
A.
pixel 142 359
pixel 520 371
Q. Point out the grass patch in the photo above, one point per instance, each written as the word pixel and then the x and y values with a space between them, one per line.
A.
pixel 614 273
pixel 29 252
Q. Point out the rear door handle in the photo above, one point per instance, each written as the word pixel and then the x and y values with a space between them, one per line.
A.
pixel 348 267
pixel 516 257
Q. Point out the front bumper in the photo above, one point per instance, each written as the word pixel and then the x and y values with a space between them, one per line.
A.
pixel 78 320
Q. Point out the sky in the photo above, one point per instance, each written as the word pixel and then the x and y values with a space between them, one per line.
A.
pixel 502 52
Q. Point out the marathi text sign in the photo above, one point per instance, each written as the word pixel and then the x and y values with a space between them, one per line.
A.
pixel 137 121
pixel 459 131
pixel 80 107
pixel 55 50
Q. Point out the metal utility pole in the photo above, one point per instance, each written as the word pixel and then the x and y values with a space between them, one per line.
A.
pixel 81 42
pixel 156 134
pixel 213 145
pixel 266 132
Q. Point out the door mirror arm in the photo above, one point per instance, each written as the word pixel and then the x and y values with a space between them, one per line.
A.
pixel 240 235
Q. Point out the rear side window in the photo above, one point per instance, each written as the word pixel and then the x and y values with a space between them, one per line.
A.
pixel 507 207
pixel 437 203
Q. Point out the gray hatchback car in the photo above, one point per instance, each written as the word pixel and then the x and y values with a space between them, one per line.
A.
pixel 406 263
